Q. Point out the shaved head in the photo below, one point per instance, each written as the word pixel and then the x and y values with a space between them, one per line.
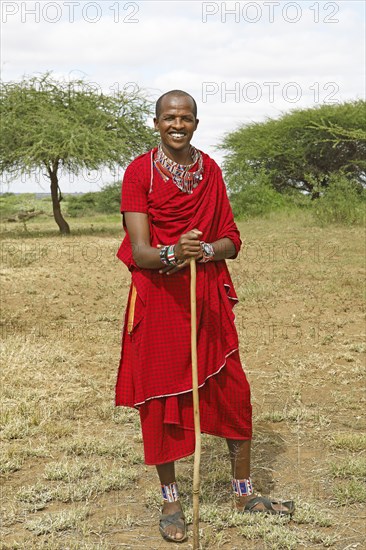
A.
pixel 175 93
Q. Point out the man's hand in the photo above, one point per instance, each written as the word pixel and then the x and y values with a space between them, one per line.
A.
pixel 170 269
pixel 189 246
pixel 186 248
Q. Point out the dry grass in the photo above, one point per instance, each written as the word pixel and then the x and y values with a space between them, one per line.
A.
pixel 349 441
pixel 65 520
pixel 72 464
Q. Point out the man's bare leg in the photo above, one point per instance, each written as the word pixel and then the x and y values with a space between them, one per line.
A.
pixel 240 468
pixel 240 464
pixel 166 473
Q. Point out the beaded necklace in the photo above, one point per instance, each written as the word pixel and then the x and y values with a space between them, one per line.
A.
pixel 185 180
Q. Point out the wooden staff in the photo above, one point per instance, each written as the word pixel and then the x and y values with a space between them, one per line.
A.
pixel 196 410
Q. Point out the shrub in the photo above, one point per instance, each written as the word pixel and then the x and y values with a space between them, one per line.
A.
pixel 109 198
pixel 81 205
pixel 106 201
pixel 257 199
pixel 11 204
pixel 343 202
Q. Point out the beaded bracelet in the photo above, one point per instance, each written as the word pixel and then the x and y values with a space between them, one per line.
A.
pixel 167 255
pixel 171 255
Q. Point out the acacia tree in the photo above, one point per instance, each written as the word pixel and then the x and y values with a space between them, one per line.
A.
pixel 300 150
pixel 68 126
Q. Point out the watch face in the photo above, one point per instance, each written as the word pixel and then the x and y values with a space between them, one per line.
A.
pixel 208 251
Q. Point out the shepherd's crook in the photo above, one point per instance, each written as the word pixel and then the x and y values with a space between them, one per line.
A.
pixel 196 410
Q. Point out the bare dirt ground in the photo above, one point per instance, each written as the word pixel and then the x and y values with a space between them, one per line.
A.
pixel 72 466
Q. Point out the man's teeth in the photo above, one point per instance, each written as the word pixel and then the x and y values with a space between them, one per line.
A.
pixel 177 135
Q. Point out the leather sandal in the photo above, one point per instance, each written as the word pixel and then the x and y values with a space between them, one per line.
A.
pixel 268 504
pixel 178 520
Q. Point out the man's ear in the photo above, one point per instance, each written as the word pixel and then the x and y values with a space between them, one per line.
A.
pixel 197 121
pixel 155 121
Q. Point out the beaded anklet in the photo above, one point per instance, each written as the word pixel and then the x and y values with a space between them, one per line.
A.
pixel 242 487
pixel 170 492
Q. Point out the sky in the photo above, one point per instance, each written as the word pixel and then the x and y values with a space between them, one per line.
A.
pixel 242 61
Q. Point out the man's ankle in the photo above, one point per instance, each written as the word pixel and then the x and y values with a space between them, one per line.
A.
pixel 241 501
pixel 170 493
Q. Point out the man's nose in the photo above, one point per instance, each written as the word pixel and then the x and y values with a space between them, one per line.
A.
pixel 178 123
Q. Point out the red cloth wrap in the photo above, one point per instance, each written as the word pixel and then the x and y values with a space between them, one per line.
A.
pixel 156 356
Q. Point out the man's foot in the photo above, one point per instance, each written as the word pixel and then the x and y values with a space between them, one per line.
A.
pixel 172 524
pixel 259 504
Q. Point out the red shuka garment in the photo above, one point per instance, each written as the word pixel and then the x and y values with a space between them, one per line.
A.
pixel 155 373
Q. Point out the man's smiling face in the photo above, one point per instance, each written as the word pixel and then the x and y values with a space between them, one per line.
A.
pixel 176 124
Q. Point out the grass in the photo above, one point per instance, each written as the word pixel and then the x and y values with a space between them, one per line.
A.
pixel 35 497
pixel 350 468
pixel 53 543
pixel 72 463
pixel 65 520
pixel 349 492
pixel 293 415
pixel 88 446
pixel 44 227
pixel 81 485
pixel 13 457
pixel 70 471
pixel 349 441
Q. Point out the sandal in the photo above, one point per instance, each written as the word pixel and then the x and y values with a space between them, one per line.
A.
pixel 178 520
pixel 268 504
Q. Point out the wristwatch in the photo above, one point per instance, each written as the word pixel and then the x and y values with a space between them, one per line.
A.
pixel 208 252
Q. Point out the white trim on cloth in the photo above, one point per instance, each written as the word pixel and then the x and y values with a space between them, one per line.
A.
pixel 187 391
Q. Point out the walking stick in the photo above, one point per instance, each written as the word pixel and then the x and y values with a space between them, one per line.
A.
pixel 196 410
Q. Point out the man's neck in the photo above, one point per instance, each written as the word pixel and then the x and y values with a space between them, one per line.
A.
pixel 181 157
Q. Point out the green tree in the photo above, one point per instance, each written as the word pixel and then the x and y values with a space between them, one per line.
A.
pixel 66 127
pixel 301 149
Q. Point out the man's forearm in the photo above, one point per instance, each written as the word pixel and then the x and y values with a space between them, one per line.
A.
pixel 146 256
pixel 224 249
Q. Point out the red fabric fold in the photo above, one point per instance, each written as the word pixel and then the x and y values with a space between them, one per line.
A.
pixel 225 411
pixel 171 411
pixel 155 357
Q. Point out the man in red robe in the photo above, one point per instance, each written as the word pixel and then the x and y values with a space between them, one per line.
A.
pixel 175 207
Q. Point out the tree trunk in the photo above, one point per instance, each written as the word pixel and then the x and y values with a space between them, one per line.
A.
pixel 59 219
